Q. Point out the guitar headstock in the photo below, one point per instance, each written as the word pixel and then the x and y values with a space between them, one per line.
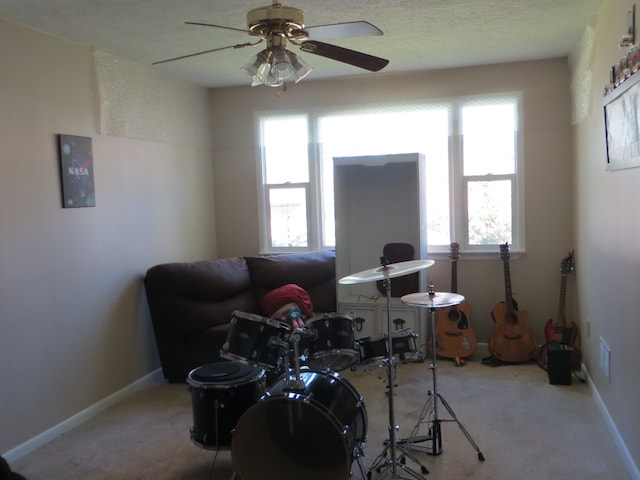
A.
pixel 455 251
pixel 504 252
pixel 568 264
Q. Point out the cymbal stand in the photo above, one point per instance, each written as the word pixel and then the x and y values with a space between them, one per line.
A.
pixel 387 458
pixel 429 413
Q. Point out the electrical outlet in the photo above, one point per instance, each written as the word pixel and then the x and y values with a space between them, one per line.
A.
pixel 605 359
pixel 587 325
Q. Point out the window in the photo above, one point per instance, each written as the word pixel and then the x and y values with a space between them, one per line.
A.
pixel 489 141
pixel 471 152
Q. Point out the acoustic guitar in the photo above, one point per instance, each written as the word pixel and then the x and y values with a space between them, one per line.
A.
pixel 560 332
pixel 454 336
pixel 511 339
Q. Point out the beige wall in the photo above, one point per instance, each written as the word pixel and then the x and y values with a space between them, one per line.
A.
pixel 547 150
pixel 73 322
pixel 608 239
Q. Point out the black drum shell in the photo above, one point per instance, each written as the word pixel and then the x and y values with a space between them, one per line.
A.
pixel 333 343
pixel 256 340
pixel 220 394
pixel 375 349
pixel 309 432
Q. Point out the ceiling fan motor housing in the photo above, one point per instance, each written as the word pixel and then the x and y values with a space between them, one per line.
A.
pixel 276 20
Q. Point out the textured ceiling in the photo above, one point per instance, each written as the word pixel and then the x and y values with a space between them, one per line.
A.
pixel 418 34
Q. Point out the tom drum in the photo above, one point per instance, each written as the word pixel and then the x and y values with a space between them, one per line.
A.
pixel 333 343
pixel 220 393
pixel 255 340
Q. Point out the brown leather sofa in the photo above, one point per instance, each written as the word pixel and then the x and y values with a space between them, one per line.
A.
pixel 192 303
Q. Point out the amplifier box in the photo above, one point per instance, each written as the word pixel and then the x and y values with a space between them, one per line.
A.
pixel 559 363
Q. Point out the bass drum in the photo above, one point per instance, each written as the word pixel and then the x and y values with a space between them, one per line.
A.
pixel 313 432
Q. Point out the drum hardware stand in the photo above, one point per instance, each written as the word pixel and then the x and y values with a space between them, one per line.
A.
pixel 214 460
pixel 383 462
pixel 430 408
pixel 358 453
pixel 296 383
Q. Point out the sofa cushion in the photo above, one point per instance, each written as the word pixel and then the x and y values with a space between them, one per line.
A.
pixel 313 271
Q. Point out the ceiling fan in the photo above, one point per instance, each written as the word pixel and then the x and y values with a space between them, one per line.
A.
pixel 278 24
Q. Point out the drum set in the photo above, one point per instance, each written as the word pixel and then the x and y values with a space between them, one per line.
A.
pixel 311 422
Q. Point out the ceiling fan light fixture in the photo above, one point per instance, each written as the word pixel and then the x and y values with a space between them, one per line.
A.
pixel 273 65
pixel 301 68
pixel 281 65
pixel 260 70
pixel 252 67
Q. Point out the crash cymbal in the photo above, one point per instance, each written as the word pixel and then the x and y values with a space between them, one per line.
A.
pixel 432 300
pixel 387 271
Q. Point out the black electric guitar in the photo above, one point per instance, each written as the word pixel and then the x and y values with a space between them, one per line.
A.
pixel 511 339
pixel 454 336
pixel 560 332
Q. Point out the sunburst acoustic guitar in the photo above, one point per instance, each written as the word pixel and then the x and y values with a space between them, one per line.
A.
pixel 560 332
pixel 511 339
pixel 454 336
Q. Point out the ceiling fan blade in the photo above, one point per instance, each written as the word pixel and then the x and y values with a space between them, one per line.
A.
pixel 344 55
pixel 240 45
pixel 217 26
pixel 342 30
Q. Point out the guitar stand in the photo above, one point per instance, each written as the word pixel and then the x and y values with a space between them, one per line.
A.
pixel 429 414
pixel 387 459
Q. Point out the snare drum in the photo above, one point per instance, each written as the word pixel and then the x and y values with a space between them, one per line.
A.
pixel 374 350
pixel 255 340
pixel 333 342
pixel 220 393
pixel 311 432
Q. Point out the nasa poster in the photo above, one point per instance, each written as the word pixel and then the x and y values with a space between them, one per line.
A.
pixel 76 169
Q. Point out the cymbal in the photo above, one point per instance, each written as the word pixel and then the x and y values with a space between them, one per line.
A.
pixel 432 300
pixel 387 271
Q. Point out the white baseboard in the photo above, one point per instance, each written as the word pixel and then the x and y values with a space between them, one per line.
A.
pixel 613 430
pixel 72 422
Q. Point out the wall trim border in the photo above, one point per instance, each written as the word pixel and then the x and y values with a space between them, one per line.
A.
pixel 79 418
pixel 611 426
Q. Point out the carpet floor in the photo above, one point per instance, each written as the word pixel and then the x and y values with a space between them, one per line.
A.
pixel 521 425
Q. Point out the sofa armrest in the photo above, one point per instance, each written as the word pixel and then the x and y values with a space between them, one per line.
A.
pixel 192 298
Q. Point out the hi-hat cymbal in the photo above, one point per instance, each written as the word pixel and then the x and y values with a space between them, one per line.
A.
pixel 432 300
pixel 387 271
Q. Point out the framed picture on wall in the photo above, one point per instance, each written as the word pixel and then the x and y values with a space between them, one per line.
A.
pixel 622 125
pixel 76 171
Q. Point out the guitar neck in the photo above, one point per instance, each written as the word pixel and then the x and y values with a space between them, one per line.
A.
pixel 508 294
pixel 454 276
pixel 561 303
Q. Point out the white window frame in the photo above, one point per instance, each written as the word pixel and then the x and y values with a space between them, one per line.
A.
pixel 457 191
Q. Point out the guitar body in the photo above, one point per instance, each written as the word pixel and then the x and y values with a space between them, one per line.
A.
pixel 511 339
pixel 566 334
pixel 560 333
pixel 454 335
